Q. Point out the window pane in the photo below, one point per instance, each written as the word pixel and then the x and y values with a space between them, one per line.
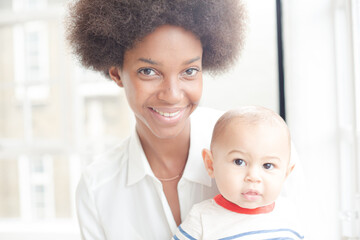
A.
pixel 62 189
pixel 9 189
pixel 11 113
pixel 46 112
pixel 106 117
pixel 56 2
pixel 5 4
pixel 356 35
pixel 36 187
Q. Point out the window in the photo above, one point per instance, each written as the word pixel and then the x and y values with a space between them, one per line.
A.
pixel 54 117
pixel 348 55
pixel 322 80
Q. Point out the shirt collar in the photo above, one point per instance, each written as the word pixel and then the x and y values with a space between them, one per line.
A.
pixel 220 200
pixel 138 166
pixel 200 133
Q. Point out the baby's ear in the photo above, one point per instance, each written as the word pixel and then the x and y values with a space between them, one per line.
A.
pixel 290 169
pixel 208 161
pixel 114 73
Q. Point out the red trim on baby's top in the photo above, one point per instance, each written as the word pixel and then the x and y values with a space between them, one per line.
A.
pixel 219 199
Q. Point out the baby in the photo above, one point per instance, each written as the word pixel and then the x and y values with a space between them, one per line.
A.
pixel 249 158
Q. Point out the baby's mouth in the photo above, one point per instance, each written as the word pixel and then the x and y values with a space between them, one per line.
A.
pixel 251 195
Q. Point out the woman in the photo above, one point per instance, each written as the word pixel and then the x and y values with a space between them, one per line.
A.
pixel 155 50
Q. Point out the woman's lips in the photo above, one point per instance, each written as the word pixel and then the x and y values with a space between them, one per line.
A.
pixel 168 115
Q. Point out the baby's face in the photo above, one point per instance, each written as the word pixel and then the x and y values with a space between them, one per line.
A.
pixel 251 163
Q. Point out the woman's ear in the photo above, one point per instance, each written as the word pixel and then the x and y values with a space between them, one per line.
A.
pixel 208 161
pixel 114 73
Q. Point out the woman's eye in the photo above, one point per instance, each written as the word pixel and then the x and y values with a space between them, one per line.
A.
pixel 268 166
pixel 147 72
pixel 191 72
pixel 239 162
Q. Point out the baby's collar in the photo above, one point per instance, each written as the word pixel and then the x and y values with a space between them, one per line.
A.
pixel 220 200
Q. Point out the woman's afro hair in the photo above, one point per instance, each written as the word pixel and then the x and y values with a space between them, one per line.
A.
pixel 100 31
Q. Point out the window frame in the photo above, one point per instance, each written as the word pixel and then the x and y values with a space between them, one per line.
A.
pixel 347 32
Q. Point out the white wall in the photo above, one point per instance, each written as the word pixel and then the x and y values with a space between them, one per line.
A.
pixel 254 79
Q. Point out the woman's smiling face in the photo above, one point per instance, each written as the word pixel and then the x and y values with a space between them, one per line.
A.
pixel 162 80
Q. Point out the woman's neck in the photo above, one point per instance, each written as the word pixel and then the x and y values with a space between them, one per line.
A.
pixel 167 157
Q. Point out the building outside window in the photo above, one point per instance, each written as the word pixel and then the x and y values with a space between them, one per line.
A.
pixel 54 118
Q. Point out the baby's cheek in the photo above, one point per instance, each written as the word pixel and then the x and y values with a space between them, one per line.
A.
pixel 232 184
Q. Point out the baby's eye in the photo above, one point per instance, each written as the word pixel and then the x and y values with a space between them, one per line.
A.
pixel 268 166
pixel 239 162
pixel 147 71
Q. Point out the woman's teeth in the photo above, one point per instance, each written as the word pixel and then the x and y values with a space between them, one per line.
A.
pixel 166 114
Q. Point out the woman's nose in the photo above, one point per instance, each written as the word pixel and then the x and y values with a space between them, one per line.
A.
pixel 171 91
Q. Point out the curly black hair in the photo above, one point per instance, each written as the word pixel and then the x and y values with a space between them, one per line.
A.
pixel 100 31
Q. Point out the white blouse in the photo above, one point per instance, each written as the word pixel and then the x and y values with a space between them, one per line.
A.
pixel 119 197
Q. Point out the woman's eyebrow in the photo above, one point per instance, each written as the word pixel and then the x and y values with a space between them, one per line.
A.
pixel 191 60
pixel 148 61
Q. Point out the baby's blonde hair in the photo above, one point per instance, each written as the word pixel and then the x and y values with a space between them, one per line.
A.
pixel 251 115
